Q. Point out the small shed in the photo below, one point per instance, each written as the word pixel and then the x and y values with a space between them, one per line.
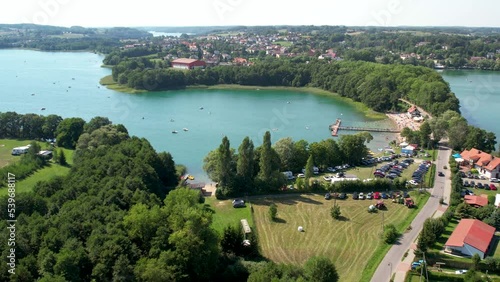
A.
pixel 409 150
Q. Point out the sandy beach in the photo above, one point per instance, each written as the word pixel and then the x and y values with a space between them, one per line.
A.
pixel 402 120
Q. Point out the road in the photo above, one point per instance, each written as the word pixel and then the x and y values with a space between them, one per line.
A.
pixel 442 188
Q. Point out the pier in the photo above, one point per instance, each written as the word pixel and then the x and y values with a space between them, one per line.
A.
pixel 336 127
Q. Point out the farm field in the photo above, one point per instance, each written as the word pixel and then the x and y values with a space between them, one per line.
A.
pixel 350 242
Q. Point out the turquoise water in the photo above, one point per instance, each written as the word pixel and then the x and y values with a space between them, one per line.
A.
pixel 67 84
pixel 479 95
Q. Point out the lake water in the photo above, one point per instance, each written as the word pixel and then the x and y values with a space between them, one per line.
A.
pixel 67 84
pixel 479 95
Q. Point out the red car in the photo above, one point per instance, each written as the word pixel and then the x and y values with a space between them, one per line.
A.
pixel 492 186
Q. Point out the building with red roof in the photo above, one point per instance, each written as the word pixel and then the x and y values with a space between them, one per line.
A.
pixel 184 63
pixel 471 236
pixel 485 163
pixel 476 201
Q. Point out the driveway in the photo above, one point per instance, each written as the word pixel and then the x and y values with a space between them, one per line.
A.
pixel 442 188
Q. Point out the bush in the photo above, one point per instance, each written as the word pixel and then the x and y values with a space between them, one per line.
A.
pixel 335 211
pixel 390 234
pixel 273 210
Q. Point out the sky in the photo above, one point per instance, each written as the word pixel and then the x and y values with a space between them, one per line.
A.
pixel 107 13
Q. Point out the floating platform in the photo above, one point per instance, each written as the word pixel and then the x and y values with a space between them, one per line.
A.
pixel 334 128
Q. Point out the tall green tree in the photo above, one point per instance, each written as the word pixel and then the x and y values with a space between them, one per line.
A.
pixel 68 132
pixel 309 171
pixel 320 269
pixel 266 159
pixel 425 134
pixel 245 163
pixel 286 151
pixel 225 166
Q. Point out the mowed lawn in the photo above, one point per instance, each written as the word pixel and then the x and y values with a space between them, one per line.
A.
pixel 46 173
pixel 6 146
pixel 225 214
pixel 350 243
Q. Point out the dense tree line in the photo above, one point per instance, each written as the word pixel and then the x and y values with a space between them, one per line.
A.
pixel 28 126
pixel 252 170
pixel 378 86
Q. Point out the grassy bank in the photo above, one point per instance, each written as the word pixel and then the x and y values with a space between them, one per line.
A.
pixel 113 85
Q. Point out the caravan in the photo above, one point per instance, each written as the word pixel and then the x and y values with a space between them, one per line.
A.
pixel 20 150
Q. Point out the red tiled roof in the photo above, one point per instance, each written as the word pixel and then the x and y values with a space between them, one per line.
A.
pixel 479 157
pixel 493 164
pixel 476 200
pixel 472 232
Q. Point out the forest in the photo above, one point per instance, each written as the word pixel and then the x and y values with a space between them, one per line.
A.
pixel 118 216
pixel 376 85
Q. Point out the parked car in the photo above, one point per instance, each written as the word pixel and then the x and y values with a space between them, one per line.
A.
pixel 355 196
pixel 330 169
pixel 327 178
pixel 328 196
pixel 480 186
pixel 342 196
pixel 440 173
pixel 301 175
pixel 369 196
pixel 461 271
pixel 495 180
pixel 238 203
pixel 361 196
pixel 493 187
pixel 466 183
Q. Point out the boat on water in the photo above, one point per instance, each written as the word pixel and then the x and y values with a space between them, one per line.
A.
pixel 201 108
pixel 174 131
pixel 43 109
pixel 185 129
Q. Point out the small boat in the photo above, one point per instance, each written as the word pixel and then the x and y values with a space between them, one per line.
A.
pixel 73 78
pixel 201 108
pixel 190 177
pixel 288 102
pixel 185 129
pixel 43 109
pixel 32 94
pixel 307 127
pixel 174 131
pixel 171 120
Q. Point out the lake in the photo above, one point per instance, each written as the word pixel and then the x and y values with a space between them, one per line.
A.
pixel 479 95
pixel 67 84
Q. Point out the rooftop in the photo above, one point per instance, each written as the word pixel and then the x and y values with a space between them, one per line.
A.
pixel 472 232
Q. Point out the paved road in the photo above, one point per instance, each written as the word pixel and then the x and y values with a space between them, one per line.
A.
pixel 442 188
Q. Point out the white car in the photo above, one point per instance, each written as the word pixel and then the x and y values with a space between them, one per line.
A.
pixel 330 169
pixel 461 271
pixel 301 175
pixel 494 180
pixel 327 178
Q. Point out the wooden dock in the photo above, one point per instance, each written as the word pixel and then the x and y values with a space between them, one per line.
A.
pixel 335 127
pixel 354 128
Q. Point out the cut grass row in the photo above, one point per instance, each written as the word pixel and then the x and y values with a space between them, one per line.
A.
pixel 354 243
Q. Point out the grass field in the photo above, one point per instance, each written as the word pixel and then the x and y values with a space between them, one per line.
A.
pixel 6 146
pixel 225 214
pixel 351 243
pixel 46 173
pixel 284 43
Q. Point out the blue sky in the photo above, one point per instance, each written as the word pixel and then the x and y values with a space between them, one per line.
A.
pixel 93 13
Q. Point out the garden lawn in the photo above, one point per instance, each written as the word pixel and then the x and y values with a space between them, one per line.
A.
pixel 351 243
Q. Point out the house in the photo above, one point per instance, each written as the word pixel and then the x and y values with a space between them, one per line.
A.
pixel 20 150
pixel 185 63
pixel 490 55
pixel 413 112
pixel 471 236
pixel 240 61
pixel 476 201
pixel 485 163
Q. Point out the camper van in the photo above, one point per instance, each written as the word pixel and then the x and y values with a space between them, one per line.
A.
pixel 288 175
pixel 20 150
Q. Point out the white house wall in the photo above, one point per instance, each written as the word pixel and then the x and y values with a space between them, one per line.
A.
pixel 470 251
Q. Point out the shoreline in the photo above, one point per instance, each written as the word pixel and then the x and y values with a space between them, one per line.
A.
pixel 358 106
